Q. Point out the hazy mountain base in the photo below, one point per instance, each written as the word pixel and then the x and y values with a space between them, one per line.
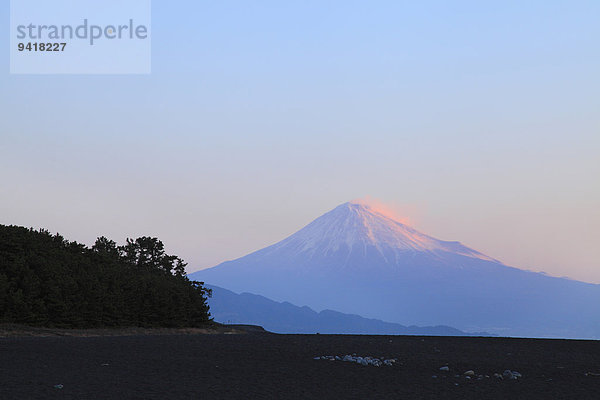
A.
pixel 477 296
pixel 229 307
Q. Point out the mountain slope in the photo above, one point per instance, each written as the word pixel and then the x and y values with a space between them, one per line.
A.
pixel 357 260
pixel 245 308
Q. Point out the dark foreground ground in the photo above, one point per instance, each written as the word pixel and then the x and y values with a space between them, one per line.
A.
pixel 268 366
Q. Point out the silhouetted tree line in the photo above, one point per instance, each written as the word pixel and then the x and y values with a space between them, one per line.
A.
pixel 46 280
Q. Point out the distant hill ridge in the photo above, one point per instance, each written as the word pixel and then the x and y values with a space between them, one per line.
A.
pixel 230 308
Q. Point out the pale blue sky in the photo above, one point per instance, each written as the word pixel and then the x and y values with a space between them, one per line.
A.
pixel 480 120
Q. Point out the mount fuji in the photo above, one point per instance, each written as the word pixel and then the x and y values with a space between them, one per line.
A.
pixel 358 259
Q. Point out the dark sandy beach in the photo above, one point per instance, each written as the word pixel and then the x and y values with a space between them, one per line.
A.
pixel 269 366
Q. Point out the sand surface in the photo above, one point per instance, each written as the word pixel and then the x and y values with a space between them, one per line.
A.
pixel 269 366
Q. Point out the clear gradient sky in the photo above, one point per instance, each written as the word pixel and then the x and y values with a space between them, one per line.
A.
pixel 479 120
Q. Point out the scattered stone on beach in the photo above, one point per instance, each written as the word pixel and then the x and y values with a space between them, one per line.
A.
pixel 374 361
pixel 445 368
pixel 59 386
pixel 592 374
pixel 329 358
pixel 508 374
pixel 469 373
pixel 497 376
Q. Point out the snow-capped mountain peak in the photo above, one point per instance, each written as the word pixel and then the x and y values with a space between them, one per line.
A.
pixel 356 225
